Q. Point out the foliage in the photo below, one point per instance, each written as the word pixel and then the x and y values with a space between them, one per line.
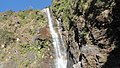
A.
pixel 6 37
pixel 39 48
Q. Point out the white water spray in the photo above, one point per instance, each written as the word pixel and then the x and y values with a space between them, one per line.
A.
pixel 60 52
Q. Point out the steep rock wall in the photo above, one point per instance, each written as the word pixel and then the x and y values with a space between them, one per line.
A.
pixel 91 29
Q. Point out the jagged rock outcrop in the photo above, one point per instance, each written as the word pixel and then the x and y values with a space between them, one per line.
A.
pixel 42 34
pixel 90 24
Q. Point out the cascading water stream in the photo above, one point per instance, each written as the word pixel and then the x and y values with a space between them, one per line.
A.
pixel 60 52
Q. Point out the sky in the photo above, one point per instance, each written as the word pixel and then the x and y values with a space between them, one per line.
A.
pixel 16 5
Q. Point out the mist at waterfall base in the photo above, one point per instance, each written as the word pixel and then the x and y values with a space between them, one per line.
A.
pixel 60 52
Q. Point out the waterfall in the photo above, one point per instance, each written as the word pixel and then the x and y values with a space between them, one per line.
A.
pixel 60 51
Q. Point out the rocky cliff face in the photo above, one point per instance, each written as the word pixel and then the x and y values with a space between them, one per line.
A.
pixel 91 32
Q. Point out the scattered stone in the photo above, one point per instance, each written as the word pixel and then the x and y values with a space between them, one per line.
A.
pixel 77 65
pixel 3 46
pixel 17 39
pixel 51 57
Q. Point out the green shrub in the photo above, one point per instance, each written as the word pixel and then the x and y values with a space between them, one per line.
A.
pixel 6 37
